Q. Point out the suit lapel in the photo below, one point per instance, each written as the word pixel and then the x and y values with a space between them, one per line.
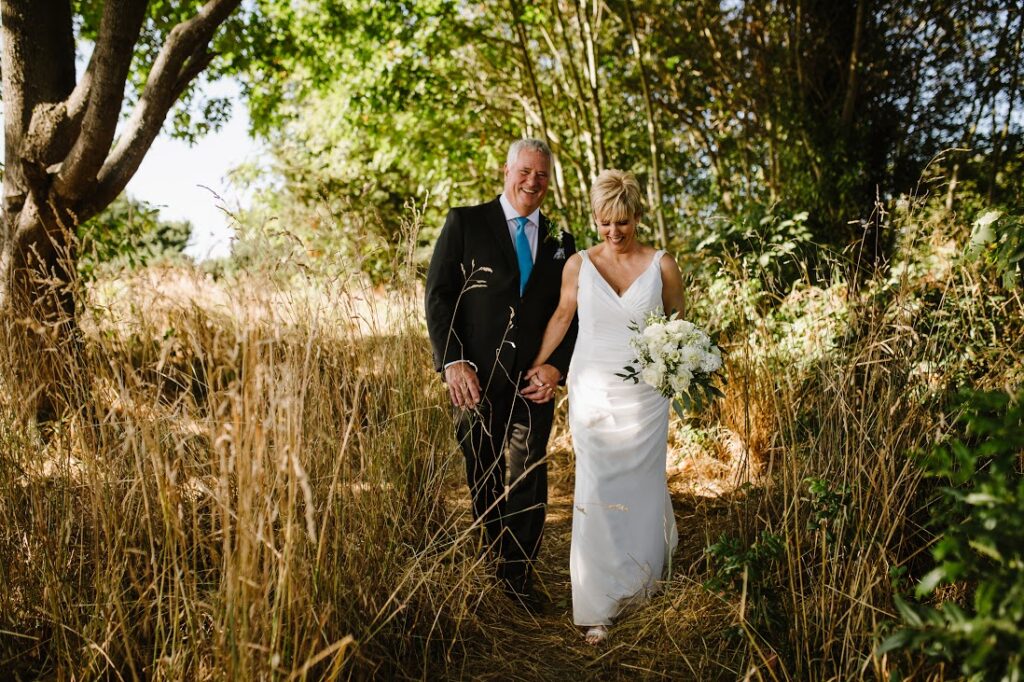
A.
pixel 501 235
pixel 545 252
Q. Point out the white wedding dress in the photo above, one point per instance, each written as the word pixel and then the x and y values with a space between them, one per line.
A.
pixel 623 529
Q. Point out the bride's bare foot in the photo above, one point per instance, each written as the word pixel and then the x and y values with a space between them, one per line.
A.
pixel 597 635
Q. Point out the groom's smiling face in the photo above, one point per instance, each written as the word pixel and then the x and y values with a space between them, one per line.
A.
pixel 526 181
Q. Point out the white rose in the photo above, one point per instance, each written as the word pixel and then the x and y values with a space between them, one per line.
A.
pixel 681 381
pixel 689 358
pixel 675 326
pixel 711 362
pixel 653 330
pixel 651 376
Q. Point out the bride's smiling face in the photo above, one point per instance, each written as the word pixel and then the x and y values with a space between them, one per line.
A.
pixel 618 232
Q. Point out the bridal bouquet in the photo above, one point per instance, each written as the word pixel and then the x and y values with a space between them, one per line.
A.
pixel 677 359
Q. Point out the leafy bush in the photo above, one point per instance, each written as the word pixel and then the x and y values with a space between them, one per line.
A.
pixel 830 508
pixel 741 569
pixel 768 247
pixel 981 545
pixel 128 234
pixel 999 241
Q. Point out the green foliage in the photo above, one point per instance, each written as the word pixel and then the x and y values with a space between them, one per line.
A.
pixel 830 508
pixel 368 105
pixel 998 239
pixel 750 570
pixel 765 245
pixel 980 544
pixel 128 234
pixel 359 105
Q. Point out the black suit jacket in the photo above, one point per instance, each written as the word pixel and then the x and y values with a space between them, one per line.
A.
pixel 474 310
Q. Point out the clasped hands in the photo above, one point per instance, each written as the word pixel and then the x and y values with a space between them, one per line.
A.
pixel 464 385
pixel 543 380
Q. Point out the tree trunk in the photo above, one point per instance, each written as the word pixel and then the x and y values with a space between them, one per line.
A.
pixel 999 140
pixel 546 131
pixel 852 75
pixel 38 74
pixel 592 78
pixel 585 140
pixel 61 169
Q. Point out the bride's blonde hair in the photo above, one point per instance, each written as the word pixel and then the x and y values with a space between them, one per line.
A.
pixel 615 195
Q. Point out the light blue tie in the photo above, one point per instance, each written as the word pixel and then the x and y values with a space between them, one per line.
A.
pixel 523 254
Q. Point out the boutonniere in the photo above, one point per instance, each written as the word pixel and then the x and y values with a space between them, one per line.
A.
pixel 552 234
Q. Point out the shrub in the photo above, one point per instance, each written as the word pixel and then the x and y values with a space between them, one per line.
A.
pixel 981 545
pixel 741 569
pixel 128 234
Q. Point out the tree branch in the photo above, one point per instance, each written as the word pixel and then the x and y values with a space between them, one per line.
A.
pixel 110 63
pixel 54 127
pixel 78 100
pixel 183 57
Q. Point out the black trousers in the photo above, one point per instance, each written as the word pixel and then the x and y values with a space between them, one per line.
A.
pixel 505 444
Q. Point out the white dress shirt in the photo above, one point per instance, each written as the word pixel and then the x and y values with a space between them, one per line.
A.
pixel 532 226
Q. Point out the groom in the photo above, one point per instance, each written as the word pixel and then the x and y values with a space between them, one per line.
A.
pixel 493 283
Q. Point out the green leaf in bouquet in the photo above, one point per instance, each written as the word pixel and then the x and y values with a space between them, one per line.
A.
pixel 707 392
pixel 678 408
pixel 629 373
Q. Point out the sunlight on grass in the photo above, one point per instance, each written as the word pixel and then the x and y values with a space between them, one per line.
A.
pixel 257 479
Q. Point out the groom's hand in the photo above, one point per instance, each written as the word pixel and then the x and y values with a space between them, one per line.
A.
pixel 542 381
pixel 463 385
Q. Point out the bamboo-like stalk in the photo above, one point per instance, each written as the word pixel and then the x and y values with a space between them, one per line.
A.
pixel 654 185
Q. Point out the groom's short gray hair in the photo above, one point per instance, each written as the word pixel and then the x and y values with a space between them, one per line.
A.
pixel 527 143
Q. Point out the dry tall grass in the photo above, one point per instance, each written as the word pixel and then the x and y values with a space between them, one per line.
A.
pixel 258 481
pixel 253 486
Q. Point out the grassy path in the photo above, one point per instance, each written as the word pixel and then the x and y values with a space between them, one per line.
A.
pixel 677 636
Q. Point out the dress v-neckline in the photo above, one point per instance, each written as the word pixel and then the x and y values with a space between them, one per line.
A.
pixel 654 259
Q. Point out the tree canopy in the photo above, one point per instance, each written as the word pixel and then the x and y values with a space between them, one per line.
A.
pixel 725 110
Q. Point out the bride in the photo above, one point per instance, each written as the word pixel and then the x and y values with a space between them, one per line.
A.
pixel 623 529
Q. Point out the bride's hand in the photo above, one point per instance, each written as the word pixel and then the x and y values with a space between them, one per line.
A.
pixel 542 379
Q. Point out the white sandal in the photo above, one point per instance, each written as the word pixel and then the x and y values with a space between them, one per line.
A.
pixel 597 635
